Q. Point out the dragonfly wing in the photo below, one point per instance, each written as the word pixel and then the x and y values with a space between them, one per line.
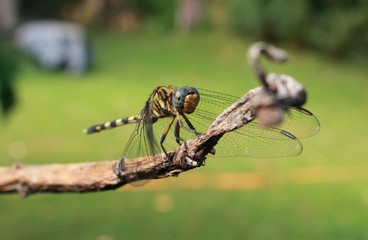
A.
pixel 267 143
pixel 138 144
pixel 216 102
pixel 142 143
pixel 300 122
pixel 253 139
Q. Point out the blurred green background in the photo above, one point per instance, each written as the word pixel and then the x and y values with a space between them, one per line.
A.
pixel 138 45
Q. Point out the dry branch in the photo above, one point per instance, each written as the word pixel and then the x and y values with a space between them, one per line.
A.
pixel 267 103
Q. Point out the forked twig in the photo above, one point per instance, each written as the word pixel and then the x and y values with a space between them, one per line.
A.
pixel 278 92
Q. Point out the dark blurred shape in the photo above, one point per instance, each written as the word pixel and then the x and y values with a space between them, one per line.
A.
pixel 335 28
pixel 270 20
pixel 132 15
pixel 125 15
pixel 339 28
pixel 44 9
pixel 8 69
pixel 55 45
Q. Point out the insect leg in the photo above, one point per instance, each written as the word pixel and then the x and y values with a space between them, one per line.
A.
pixel 165 134
pixel 190 125
pixel 177 132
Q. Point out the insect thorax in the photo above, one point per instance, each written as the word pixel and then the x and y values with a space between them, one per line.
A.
pixel 161 103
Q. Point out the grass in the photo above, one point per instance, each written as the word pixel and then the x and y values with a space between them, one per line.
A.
pixel 55 107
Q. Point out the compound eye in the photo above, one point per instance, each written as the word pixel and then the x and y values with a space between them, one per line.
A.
pixel 178 97
pixel 191 100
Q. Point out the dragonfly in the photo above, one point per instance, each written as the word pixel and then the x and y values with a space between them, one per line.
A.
pixel 172 115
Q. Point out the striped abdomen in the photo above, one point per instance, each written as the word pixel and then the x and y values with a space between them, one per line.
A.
pixel 112 124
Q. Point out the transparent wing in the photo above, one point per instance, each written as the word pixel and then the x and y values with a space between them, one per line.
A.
pixel 265 143
pixel 138 144
pixel 142 143
pixel 300 122
pixel 253 139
